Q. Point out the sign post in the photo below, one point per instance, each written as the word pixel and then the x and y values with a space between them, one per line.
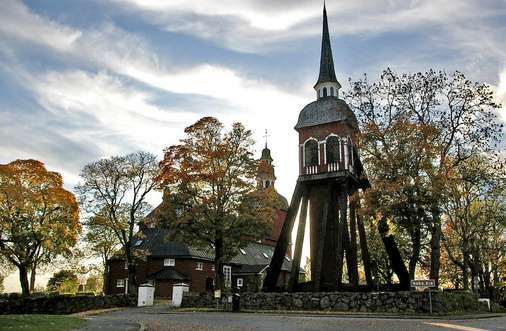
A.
pixel 421 285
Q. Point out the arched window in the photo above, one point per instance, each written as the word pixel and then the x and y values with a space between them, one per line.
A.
pixel 331 91
pixel 324 92
pixel 311 152
pixel 333 149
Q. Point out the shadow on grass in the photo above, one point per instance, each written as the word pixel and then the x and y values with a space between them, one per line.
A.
pixel 40 322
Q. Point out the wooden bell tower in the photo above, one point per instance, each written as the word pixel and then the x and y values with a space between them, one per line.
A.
pixel 330 177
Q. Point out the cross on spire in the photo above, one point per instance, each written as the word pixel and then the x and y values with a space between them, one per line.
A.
pixel 266 135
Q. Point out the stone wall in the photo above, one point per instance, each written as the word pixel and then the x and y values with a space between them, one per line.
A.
pixel 393 302
pixel 62 304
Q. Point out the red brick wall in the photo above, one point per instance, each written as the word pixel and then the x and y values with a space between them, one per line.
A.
pixel 321 132
pixel 116 271
pixel 197 278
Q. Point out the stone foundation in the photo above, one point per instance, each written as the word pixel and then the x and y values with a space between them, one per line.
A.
pixel 392 302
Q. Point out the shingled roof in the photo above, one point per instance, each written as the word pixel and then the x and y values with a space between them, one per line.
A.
pixel 156 242
pixel 326 110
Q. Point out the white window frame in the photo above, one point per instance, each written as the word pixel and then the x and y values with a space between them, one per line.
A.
pixel 240 282
pixel 227 275
pixel 120 283
pixel 168 262
pixel 126 265
pixel 212 267
pixel 199 266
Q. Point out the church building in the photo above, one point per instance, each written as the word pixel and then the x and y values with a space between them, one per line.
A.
pixel 166 263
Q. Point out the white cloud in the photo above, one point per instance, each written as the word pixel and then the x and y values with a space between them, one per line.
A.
pixel 257 26
pixel 105 107
pixel 19 22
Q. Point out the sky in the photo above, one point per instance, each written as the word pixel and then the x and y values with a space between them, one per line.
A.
pixel 83 80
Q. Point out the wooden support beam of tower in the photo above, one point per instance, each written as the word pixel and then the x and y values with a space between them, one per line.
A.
pixel 321 243
pixel 274 270
pixel 343 211
pixel 364 250
pixel 351 253
pixel 294 274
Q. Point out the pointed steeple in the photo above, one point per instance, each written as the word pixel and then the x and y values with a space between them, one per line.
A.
pixel 327 72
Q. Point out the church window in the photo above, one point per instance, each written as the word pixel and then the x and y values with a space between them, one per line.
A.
pixel 324 92
pixel 332 149
pixel 331 91
pixel 311 153
pixel 199 266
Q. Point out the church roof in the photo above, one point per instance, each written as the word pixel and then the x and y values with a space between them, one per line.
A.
pixel 327 72
pixel 266 154
pixel 326 110
pixel 155 242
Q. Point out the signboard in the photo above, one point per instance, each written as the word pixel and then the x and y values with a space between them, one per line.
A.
pixel 423 283
pixel 217 294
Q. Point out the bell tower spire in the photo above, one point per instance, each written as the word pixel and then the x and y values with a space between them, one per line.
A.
pixel 327 84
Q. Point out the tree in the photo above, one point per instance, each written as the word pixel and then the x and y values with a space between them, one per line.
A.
pixel 209 180
pixel 64 281
pixel 114 192
pixel 101 241
pixel 445 118
pixel 39 219
pixel 475 220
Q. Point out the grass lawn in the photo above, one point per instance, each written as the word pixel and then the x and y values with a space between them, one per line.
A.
pixel 40 322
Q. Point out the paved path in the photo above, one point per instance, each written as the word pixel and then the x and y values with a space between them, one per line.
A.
pixel 161 319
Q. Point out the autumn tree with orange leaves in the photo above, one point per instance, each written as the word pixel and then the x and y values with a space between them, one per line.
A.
pixel 210 193
pixel 39 219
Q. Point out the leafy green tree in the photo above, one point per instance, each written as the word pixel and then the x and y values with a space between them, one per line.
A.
pixel 39 219
pixel 211 197
pixel 101 241
pixel 114 192
pixel 63 281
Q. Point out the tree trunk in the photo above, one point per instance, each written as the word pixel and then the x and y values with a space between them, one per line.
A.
pixel 394 255
pixel 218 265
pixel 465 274
pixel 32 277
pixel 132 273
pixel 415 255
pixel 23 280
pixel 435 246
